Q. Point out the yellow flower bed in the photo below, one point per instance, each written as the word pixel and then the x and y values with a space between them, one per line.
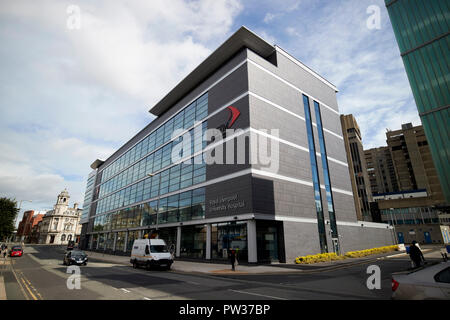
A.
pixel 321 257
pixel 324 257
pixel 363 253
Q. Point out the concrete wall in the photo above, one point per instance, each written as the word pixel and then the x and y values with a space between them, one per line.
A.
pixel 359 238
pixel 301 238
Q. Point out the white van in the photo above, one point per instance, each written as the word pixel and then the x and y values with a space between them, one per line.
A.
pixel 150 252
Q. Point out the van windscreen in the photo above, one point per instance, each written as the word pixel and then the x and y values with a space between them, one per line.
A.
pixel 158 249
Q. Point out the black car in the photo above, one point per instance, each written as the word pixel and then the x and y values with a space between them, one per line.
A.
pixel 77 257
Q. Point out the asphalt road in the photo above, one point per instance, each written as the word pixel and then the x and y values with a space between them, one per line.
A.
pixel 40 275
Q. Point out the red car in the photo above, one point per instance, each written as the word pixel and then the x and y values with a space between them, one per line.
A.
pixel 16 252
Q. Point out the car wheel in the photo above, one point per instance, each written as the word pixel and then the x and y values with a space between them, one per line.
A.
pixel 85 264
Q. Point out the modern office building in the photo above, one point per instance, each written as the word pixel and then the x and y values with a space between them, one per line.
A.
pixel 380 170
pixel 422 32
pixel 282 190
pixel 357 167
pixel 415 218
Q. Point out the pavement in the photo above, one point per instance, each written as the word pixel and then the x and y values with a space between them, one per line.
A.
pixel 277 268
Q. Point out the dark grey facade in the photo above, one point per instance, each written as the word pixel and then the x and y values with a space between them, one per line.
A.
pixel 267 213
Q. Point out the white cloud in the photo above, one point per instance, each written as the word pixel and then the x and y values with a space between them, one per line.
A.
pixel 364 64
pixel 269 17
pixel 68 96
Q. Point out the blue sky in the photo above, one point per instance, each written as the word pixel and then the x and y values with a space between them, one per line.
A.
pixel 69 96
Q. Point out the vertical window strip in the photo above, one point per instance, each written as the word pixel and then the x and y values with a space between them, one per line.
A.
pixel 326 172
pixel 315 177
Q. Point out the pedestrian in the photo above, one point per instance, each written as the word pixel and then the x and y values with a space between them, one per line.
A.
pixel 5 251
pixel 416 255
pixel 232 258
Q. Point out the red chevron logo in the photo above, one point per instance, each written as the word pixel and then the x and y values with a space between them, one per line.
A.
pixel 234 114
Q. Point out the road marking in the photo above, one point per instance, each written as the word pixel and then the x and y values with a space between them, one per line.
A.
pixel 24 282
pixel 125 290
pixel 257 294
pixel 29 290
pixel 145 298
pixel 393 256
pixel 20 285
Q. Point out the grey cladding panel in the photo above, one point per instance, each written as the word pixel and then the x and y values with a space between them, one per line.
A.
pixel 298 77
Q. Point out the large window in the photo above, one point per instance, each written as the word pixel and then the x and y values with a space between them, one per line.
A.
pixel 226 236
pixel 196 111
pixel 193 242
pixel 88 195
pixel 132 235
pixel 120 242
pixel 175 178
pixel 315 176
pixel 189 205
pixel 101 241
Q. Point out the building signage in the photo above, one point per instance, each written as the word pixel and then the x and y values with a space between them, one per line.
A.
pixel 234 114
pixel 221 203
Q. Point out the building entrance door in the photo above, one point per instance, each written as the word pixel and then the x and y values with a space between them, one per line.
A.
pixel 268 239
pixel 401 238
pixel 52 239
pixel 427 237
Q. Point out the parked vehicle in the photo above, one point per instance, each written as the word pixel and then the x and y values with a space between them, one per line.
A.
pixel 424 283
pixel 151 252
pixel 16 251
pixel 77 257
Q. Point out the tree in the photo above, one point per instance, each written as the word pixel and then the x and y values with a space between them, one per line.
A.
pixel 8 213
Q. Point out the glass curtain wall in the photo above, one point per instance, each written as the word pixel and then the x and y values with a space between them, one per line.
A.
pixel 226 236
pixel 193 242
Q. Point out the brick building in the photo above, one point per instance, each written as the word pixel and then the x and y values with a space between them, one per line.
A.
pixel 29 221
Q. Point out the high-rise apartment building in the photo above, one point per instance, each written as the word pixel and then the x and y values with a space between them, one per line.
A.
pixel 380 170
pixel 422 32
pixel 417 208
pixel 357 166
pixel 414 167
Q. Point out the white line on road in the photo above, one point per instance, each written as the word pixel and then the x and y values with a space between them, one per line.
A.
pixel 125 290
pixel 257 294
pixel 145 298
